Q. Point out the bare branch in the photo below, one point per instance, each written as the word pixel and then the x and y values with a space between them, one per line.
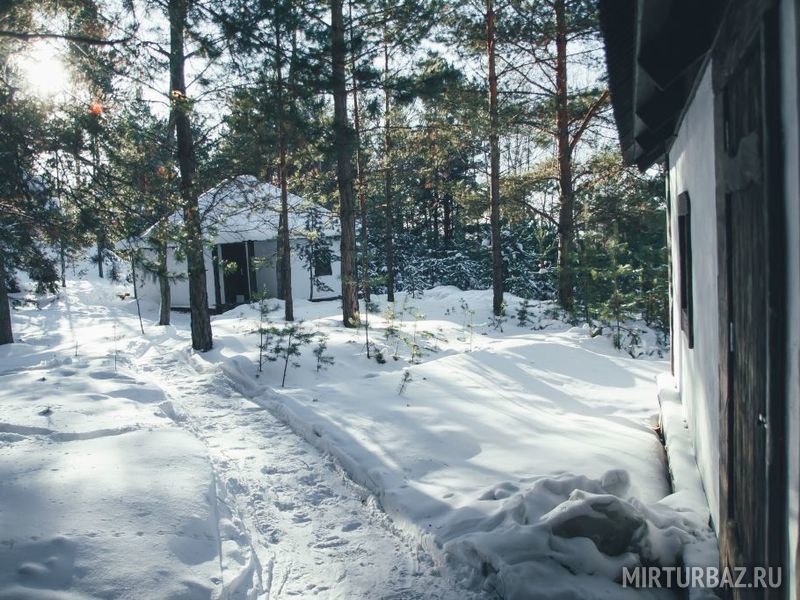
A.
pixel 587 119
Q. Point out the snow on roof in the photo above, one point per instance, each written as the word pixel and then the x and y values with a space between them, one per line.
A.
pixel 244 208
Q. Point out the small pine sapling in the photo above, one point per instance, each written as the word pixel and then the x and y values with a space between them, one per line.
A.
pixel 404 382
pixel 404 307
pixel 416 349
pixel 497 323
pixel 468 325
pixel 391 332
pixel 524 313
pixel 115 274
pixel 323 360
pixel 379 357
pixel 634 340
pixel 289 341
pixel 264 331
pixel 365 322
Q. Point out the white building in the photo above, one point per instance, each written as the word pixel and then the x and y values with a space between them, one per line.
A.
pixel 710 90
pixel 240 225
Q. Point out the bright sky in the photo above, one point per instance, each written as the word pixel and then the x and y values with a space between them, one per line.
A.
pixel 43 70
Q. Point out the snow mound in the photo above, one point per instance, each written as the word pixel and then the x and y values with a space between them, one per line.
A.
pixel 566 528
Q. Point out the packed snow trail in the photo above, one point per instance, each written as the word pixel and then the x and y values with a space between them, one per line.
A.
pixel 487 460
pixel 315 532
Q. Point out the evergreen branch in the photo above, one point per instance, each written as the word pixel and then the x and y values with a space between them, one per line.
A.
pixel 80 39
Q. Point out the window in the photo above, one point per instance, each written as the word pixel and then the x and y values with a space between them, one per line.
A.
pixel 685 267
pixel 322 264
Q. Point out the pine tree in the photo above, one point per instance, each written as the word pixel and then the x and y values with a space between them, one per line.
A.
pixel 142 156
pixel 181 106
pixel 494 162
pixel 343 136
pixel 563 111
pixel 30 216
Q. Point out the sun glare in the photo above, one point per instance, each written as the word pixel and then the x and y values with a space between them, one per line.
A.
pixel 43 70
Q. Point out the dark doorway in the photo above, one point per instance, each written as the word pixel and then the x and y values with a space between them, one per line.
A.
pixel 235 273
pixel 753 413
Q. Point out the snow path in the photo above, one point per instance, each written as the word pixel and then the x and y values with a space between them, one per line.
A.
pixel 314 531
pixel 485 453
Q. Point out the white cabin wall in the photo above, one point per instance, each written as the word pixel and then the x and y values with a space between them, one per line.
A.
pixel 148 286
pixel 301 284
pixel 180 288
pixel 267 275
pixel 301 281
pixel 790 119
pixel 208 260
pixel 692 170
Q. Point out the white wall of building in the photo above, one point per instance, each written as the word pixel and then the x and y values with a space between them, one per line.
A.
pixel 301 283
pixel 692 170
pixel 301 280
pixel 790 119
pixel 148 287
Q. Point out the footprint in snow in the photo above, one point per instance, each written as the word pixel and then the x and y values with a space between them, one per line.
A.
pixel 301 518
pixel 235 487
pixel 331 542
pixel 284 506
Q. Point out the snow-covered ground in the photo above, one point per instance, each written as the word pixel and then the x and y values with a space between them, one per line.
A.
pixel 515 461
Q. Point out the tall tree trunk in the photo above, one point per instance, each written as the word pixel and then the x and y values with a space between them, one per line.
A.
pixel 285 241
pixel 62 259
pixel 6 334
pixel 494 165
pixel 566 210
pixel 362 186
pixel 198 294
pixel 136 292
pixel 99 256
pixel 62 246
pixel 164 313
pixel 99 234
pixel 435 216
pixel 285 245
pixel 344 169
pixel 387 170
pixel 447 208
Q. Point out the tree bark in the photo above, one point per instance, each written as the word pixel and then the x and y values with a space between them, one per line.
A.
pixel 164 313
pixel 99 234
pixel 494 165
pixel 6 334
pixel 447 208
pixel 62 259
pixel 99 257
pixel 344 169
pixel 62 249
pixel 198 294
pixel 566 212
pixel 136 294
pixel 284 246
pixel 362 186
pixel 387 177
